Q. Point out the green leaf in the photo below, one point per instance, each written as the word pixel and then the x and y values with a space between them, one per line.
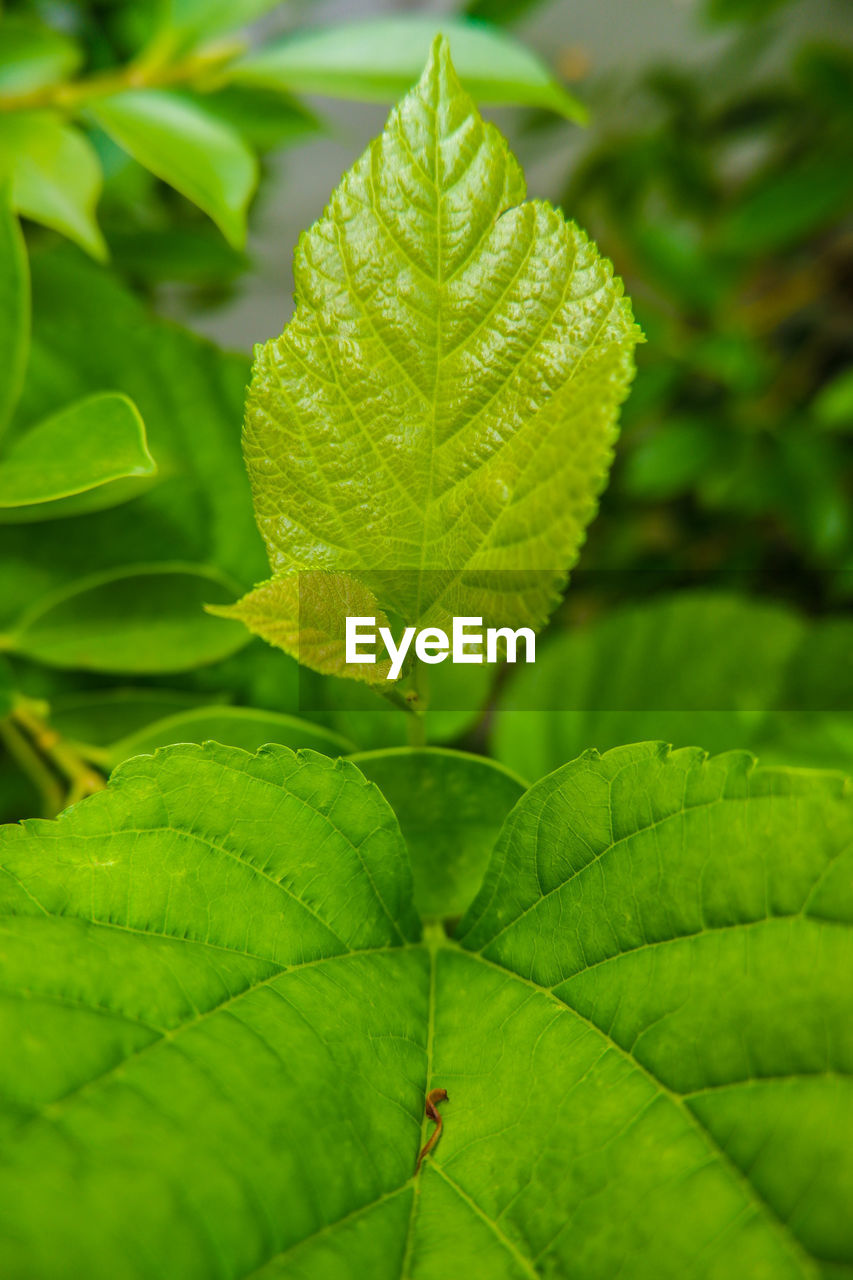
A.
pixel 266 120
pixel 444 400
pixel 243 727
pixel 833 406
pixel 182 23
pixel 88 333
pixel 73 461
pixel 197 154
pixel 703 665
pixel 32 56
pixel 143 620
pixel 785 207
pixel 103 716
pixel 377 60
pixel 450 807
pixel 55 174
pixel 14 306
pixel 643 1029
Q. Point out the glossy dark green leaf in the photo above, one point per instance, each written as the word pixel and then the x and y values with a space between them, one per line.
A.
pixel 84 458
pixel 90 333
pixel 14 305
pixel 55 175
pixel 196 153
pixel 143 620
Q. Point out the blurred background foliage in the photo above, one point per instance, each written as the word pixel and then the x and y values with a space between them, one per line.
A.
pixel 713 602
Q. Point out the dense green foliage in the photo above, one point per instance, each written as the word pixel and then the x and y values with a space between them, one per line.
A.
pixel 223 1038
pixel 235 977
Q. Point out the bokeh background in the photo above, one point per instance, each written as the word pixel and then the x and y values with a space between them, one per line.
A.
pixel 713 602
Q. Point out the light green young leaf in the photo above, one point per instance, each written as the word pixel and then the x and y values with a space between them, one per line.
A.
pixel 197 154
pixel 643 1029
pixel 14 305
pixel 55 175
pixel 377 60
pixel 76 461
pixel 438 418
pixel 243 727
pixel 450 807
pixel 142 620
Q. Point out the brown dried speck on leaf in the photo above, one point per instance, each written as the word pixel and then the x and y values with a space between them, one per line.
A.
pixel 433 1098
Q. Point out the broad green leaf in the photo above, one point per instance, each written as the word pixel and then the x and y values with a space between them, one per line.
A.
pixel 706 666
pixel 377 60
pixel 14 306
pixel 243 727
pixel 32 56
pixel 76 461
pixel 101 717
pixel 436 421
pixel 142 620
pixel 200 508
pixel 450 807
pixel 182 23
pixel 197 154
pixel 221 1028
pixel 55 175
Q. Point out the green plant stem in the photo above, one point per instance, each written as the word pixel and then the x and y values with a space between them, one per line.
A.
pixel 140 74
pixel 418 700
pixel 82 779
pixel 33 767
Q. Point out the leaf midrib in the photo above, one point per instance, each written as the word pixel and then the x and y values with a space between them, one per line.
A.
pixel 766 1210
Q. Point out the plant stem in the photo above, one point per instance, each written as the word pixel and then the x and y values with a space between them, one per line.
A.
pixel 141 74
pixel 82 779
pixel 416 731
pixel 31 764
pixel 418 699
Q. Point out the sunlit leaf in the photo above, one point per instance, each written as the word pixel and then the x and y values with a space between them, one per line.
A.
pixel 377 60
pixel 221 1027
pixel 433 427
pixel 145 619
pixel 196 153
pixel 55 175
pixel 73 461
pixel 14 306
